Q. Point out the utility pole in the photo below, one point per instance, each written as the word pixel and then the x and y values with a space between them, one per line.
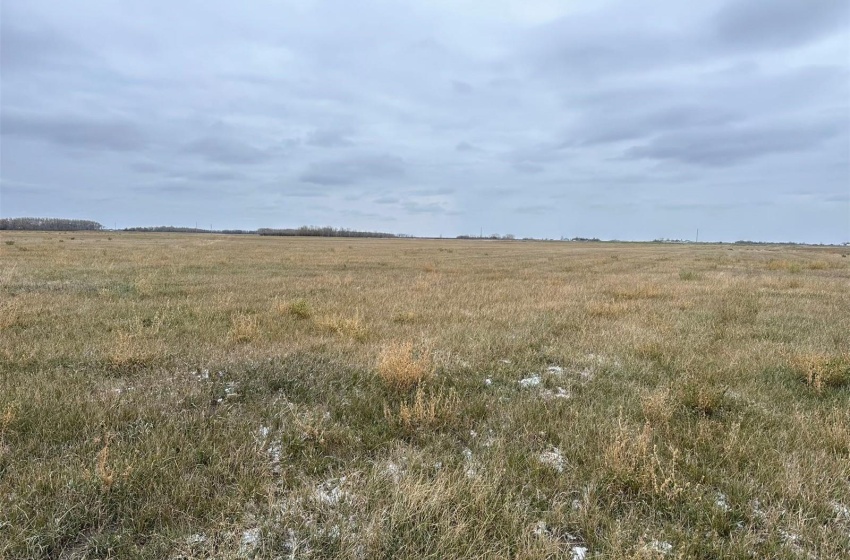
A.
pixel 697 235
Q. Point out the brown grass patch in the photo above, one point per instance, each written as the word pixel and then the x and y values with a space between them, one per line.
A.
pixel 822 371
pixel 402 369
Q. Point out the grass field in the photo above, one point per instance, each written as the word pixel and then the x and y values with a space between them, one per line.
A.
pixel 168 396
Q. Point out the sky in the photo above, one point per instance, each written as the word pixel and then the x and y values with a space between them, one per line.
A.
pixel 537 118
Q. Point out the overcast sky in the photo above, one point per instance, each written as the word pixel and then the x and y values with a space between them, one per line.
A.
pixel 544 118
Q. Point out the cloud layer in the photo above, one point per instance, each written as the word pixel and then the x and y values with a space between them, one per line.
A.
pixel 539 118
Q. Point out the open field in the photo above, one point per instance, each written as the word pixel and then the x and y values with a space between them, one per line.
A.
pixel 192 396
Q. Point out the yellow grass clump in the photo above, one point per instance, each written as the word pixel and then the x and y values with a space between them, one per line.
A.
pixel 401 369
pixel 821 371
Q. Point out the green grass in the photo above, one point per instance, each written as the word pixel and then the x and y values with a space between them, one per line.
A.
pixel 203 396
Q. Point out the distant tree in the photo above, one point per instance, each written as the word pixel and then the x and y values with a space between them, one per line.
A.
pixel 325 231
pixel 48 224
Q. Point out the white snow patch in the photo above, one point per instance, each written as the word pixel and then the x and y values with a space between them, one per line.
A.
pixel 540 529
pixel 274 455
pixel 529 382
pixel 264 432
pixel 470 469
pixel 488 382
pixel 196 539
pixel 394 471
pixel 553 458
pixel 505 361
pixel 555 370
pixel 578 553
pixel 661 546
pixel 250 541
pixel 329 493
pixel 558 393
pixel 721 502
pixel 840 510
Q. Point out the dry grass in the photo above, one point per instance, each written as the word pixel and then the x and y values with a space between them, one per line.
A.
pixel 401 368
pixel 204 396
pixel 823 372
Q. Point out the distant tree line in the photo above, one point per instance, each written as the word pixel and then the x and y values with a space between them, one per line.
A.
pixel 177 229
pixel 506 237
pixel 313 231
pixel 49 224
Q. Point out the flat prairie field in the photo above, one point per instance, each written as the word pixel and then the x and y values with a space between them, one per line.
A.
pixel 212 396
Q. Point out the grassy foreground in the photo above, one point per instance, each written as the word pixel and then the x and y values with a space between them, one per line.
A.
pixel 168 396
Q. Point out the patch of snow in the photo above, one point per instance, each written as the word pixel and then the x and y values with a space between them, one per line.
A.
pixel 789 538
pixel 662 547
pixel 555 370
pixel 196 539
pixel 394 471
pixel 264 432
pixel 329 494
pixel 721 502
pixel 470 469
pixel 529 382
pixel 230 390
pixel 505 361
pixel 250 541
pixel 576 505
pixel 553 458
pixel 840 510
pixel 274 455
pixel 540 529
pixel 488 382
pixel 578 552
pixel 558 393
pixel 586 374
pixel 473 434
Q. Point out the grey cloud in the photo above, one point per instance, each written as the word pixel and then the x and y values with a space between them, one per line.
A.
pixel 354 170
pixel 23 48
pixel 619 125
pixel 386 200
pixel 414 207
pixel 226 151
pixel 779 23
pixel 461 87
pixel 75 132
pixel 440 191
pixel 725 146
pixel 534 209
pixel 219 176
pixel 328 138
pixel 466 147
pixel 526 167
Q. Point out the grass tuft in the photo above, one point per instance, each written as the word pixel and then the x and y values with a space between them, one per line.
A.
pixel 401 369
pixel 300 309
pixel 822 372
